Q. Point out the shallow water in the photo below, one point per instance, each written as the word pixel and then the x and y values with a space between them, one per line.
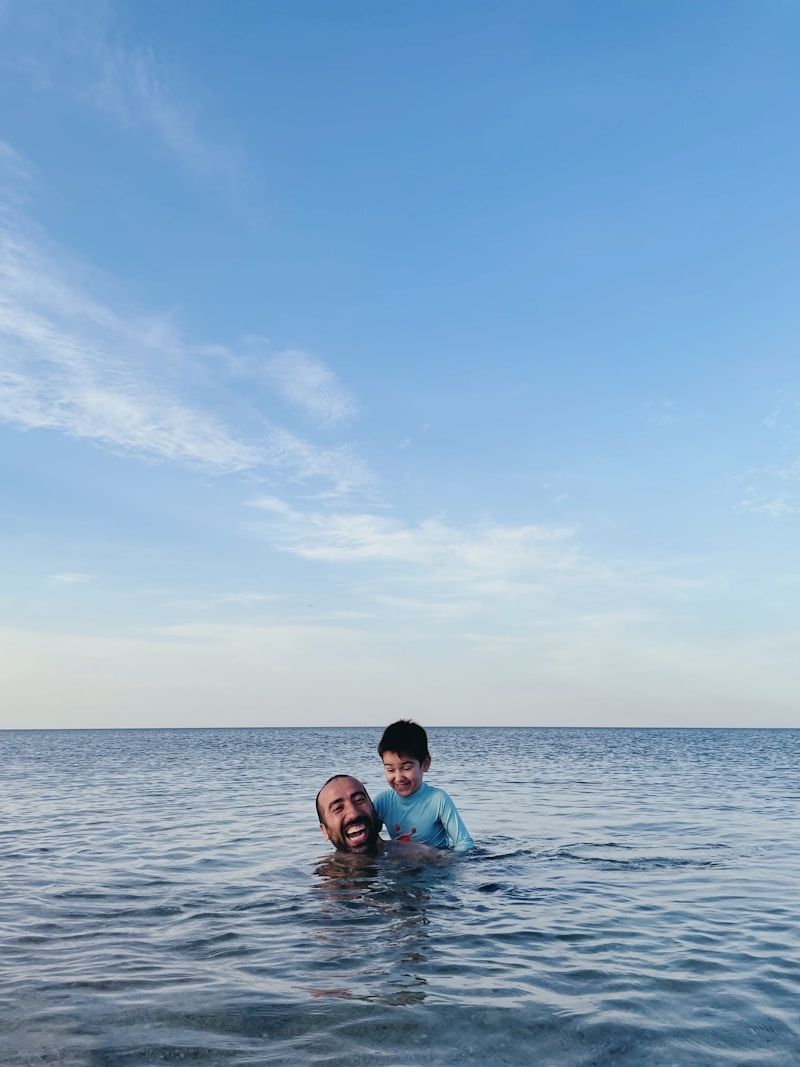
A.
pixel 633 900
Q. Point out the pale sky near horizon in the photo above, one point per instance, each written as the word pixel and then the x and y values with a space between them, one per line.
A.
pixel 368 358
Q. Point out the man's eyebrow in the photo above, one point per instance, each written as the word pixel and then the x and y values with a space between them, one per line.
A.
pixel 340 800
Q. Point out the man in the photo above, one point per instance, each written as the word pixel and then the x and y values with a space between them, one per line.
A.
pixel 346 816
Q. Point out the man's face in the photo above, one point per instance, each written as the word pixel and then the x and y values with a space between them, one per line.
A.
pixel 348 818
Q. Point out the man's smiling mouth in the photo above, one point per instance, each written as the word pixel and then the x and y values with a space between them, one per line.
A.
pixel 357 831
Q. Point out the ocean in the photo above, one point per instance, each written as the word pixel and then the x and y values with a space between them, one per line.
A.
pixel 632 900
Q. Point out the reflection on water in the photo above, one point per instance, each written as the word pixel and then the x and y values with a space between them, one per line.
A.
pixel 372 929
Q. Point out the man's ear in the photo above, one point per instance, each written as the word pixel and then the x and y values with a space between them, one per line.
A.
pixel 426 764
pixel 325 833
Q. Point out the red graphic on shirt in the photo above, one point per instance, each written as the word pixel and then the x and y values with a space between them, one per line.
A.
pixel 404 837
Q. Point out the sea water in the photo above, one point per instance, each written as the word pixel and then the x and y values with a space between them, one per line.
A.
pixel 633 900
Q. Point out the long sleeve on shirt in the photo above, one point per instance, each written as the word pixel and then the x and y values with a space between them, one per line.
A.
pixel 428 817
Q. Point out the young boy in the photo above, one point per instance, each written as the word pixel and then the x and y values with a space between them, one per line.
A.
pixel 412 810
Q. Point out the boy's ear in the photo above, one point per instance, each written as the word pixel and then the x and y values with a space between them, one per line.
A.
pixel 426 764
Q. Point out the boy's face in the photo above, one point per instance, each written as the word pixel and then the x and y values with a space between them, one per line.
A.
pixel 404 773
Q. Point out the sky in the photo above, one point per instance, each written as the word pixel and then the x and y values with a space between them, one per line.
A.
pixel 366 359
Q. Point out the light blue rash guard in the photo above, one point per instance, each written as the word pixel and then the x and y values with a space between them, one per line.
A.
pixel 428 817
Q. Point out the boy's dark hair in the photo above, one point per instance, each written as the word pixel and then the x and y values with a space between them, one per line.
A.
pixel 406 738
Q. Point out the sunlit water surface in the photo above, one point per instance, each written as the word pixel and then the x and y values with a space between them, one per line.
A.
pixel 633 900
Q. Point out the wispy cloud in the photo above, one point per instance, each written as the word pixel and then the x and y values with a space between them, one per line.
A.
pixel 436 609
pixel 487 550
pixel 339 467
pixel 308 384
pixel 72 363
pixel 76 50
pixel 136 89
pixel 16 172
pixel 500 578
pixel 71 578
pixel 771 490
pixel 777 507
pixel 660 412
pixel 785 417
pixel 297 377
pixel 235 600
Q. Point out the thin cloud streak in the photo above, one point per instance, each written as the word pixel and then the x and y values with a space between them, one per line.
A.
pixel 492 551
pixel 776 508
pixel 771 489
pixel 135 89
pixel 297 377
pixel 11 162
pixel 488 550
pixel 308 384
pixel 60 370
pixel 339 466
pixel 70 363
pixel 75 50
pixel 235 600
pixel 504 579
pixel 16 174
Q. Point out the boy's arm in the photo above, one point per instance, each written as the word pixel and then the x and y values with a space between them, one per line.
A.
pixel 454 825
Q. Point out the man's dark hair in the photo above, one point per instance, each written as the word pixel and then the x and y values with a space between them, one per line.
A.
pixel 332 778
pixel 406 738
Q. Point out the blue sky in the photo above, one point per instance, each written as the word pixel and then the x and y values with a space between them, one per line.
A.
pixel 381 358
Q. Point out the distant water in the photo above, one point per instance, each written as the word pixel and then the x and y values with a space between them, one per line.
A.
pixel 634 902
